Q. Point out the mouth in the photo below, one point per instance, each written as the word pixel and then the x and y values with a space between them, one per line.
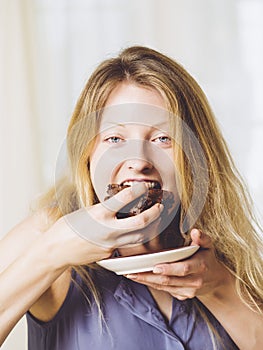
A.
pixel 151 184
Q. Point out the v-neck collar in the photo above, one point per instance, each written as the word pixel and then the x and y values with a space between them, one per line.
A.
pixel 138 300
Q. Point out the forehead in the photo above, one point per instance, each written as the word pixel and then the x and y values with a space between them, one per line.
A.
pixel 127 92
pixel 133 103
pixel 134 114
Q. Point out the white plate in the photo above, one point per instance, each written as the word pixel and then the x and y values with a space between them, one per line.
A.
pixel 146 262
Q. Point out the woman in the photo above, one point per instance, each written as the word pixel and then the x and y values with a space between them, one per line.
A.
pixel 212 300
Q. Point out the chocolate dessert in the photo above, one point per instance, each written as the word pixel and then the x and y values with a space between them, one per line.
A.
pixel 170 236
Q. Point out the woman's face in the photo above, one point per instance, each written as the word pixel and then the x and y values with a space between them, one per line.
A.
pixel 133 143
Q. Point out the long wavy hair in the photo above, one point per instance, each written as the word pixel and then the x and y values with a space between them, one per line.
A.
pixel 227 215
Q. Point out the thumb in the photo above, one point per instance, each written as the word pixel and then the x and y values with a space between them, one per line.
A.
pixel 201 239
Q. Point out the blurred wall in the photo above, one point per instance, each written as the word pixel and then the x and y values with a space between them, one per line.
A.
pixel 49 48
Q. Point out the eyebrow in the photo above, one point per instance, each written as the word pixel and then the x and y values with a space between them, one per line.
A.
pixel 124 125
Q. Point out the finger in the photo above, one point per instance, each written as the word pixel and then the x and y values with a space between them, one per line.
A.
pixel 158 286
pixel 193 265
pixel 201 239
pixel 128 239
pixel 145 278
pixel 140 221
pixel 191 281
pixel 150 231
pixel 125 196
pixel 180 293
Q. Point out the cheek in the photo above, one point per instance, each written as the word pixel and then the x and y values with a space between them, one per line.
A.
pixel 102 165
pixel 163 161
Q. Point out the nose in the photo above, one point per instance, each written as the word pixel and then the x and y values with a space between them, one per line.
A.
pixel 139 156
pixel 139 165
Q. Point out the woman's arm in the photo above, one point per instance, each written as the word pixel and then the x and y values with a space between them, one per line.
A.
pixel 35 261
pixel 24 281
pixel 36 270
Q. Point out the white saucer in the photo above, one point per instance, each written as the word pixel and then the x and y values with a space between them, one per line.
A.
pixel 146 262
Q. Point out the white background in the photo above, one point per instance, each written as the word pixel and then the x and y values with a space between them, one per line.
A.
pixel 48 49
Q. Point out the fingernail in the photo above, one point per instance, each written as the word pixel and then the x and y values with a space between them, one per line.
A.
pixel 157 270
pixel 131 276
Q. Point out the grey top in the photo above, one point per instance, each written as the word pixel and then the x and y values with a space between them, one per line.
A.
pixel 132 321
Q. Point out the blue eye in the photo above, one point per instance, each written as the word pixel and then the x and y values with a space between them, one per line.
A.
pixel 113 139
pixel 163 139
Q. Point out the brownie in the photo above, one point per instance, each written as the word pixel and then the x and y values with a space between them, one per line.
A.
pixel 146 201
pixel 170 236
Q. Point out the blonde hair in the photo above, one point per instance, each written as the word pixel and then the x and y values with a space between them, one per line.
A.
pixel 227 216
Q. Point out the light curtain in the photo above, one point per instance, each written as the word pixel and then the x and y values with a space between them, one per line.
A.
pixel 48 49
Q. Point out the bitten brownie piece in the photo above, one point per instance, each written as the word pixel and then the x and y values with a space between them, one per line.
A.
pixel 146 201
pixel 171 235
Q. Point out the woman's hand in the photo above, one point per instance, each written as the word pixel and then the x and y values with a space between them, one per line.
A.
pixel 90 234
pixel 198 275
